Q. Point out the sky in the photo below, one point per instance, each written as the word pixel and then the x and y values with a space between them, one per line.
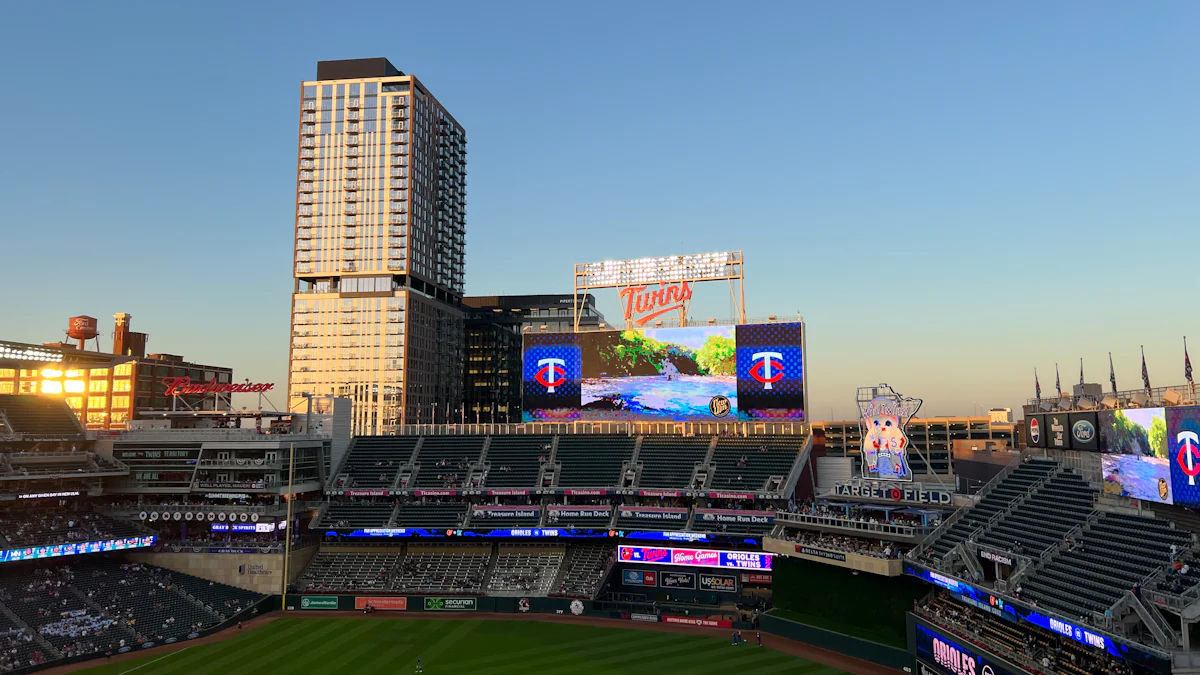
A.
pixel 950 194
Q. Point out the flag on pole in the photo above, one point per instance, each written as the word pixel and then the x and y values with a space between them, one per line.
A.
pixel 1057 383
pixel 1081 372
pixel 1112 374
pixel 1145 373
pixel 1187 363
pixel 1037 387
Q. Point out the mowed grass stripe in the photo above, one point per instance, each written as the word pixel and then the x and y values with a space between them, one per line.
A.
pixel 228 651
pixel 588 646
pixel 626 650
pixel 371 646
pixel 268 662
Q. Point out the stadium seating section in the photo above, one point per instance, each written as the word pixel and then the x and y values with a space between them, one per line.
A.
pixel 99 603
pixel 514 460
pixel 583 571
pixel 46 528
pixel 747 463
pixel 1046 515
pixel 500 569
pixel 524 570
pixel 995 501
pixel 358 514
pixel 444 456
pixel 592 461
pixel 40 416
pixel 436 516
pixel 1115 553
pixel 668 461
pixel 374 461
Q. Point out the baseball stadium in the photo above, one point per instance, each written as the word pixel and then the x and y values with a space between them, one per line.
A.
pixel 649 496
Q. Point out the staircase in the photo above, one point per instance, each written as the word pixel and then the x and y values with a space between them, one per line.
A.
pixel 50 651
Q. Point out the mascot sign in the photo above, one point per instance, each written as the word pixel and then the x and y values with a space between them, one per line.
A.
pixel 883 417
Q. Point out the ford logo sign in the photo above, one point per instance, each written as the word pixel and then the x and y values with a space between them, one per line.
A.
pixel 1083 431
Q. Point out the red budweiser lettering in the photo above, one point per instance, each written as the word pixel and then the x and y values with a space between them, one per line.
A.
pixel 178 386
pixel 647 304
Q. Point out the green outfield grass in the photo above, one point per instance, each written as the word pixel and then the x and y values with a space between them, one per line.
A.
pixel 373 645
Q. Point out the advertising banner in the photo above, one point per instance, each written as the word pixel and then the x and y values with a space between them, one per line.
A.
pixel 689 621
pixel 655 513
pixel 679 580
pixel 733 517
pixel 718 582
pixel 896 492
pixel 319 602
pixel 639 578
pixel 820 553
pixel 450 604
pixel 947 655
pixel 1058 427
pixel 78 548
pixel 1085 431
pixel 485 512
pixel 1035 431
pixel 750 578
pixel 702 373
pixel 383 604
pixel 568 512
pixel 691 557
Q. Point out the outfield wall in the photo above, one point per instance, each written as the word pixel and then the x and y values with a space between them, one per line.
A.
pixel 258 572
pixel 884 655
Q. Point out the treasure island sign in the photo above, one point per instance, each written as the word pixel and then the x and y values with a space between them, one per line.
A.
pixel 651 287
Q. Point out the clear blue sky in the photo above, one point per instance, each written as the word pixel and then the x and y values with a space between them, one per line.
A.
pixel 951 194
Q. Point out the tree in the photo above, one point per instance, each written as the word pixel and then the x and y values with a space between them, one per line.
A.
pixel 1158 436
pixel 718 356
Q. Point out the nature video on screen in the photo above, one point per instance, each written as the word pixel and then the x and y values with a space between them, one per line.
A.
pixel 1136 462
pixel 671 373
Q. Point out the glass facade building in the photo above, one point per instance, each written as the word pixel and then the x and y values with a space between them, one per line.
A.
pixel 379 247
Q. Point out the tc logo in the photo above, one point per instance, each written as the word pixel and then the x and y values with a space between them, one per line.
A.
pixel 1035 431
pixel 551 372
pixel 1189 452
pixel 767 369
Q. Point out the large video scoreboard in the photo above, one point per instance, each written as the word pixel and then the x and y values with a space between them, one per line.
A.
pixel 748 372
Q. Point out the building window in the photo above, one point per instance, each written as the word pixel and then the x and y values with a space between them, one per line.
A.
pixel 122 385
pixel 96 418
pixel 8 372
pixel 6 387
pixel 121 402
pixel 97 403
pixel 125 369
pixel 98 372
pixel 76 402
pixel 119 417
pixel 98 386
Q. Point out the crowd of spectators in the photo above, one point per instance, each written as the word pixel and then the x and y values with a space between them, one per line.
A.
pixel 836 542
pixel 48 528
pixel 18 650
pixel 862 514
pixel 1040 651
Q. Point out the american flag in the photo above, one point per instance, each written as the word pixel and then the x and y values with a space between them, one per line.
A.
pixel 1187 364
pixel 1057 382
pixel 1037 386
pixel 1112 374
pixel 1145 373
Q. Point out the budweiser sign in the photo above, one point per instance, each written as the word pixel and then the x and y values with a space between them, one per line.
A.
pixel 647 302
pixel 179 386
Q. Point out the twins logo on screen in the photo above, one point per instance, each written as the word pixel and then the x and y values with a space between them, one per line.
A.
pixel 767 368
pixel 1189 453
pixel 551 372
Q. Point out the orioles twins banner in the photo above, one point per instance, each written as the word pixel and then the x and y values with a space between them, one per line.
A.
pixel 691 374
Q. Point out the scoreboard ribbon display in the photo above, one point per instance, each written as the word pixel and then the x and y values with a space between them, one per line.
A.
pixel 691 557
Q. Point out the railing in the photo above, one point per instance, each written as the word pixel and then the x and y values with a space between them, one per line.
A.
pixel 1124 398
pixel 744 429
pixel 923 548
pixel 851 524
pixel 212 435
pixel 193 508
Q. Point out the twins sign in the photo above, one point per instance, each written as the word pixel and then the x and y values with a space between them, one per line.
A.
pixel 885 414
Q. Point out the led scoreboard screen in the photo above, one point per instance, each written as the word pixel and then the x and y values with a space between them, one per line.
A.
pixel 748 372
pixel 693 557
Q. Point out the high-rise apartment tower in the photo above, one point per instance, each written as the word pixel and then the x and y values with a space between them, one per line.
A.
pixel 380 225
